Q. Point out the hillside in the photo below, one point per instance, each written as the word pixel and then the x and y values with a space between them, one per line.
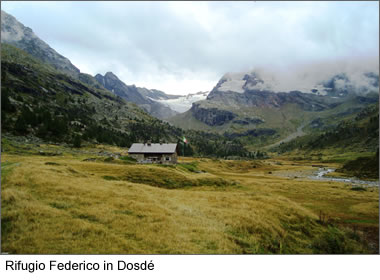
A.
pixel 355 135
pixel 41 101
pixel 260 111
pixel 15 33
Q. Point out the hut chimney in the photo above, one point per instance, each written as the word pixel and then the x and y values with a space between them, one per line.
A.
pixel 149 143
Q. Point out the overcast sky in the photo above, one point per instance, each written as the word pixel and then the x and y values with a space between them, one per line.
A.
pixel 185 47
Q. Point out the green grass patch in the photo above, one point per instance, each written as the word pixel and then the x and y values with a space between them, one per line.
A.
pixel 171 166
pixel 109 159
pixel 334 241
pixel 128 159
pixel 110 178
pixel 51 163
pixel 6 169
pixel 6 225
pixel 220 182
pixel 191 167
pixel 363 167
pixel 361 221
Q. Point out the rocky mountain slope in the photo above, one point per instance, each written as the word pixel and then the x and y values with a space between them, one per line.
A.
pixel 15 33
pixel 254 104
pixel 353 133
pixel 38 100
pixel 139 96
pixel 157 94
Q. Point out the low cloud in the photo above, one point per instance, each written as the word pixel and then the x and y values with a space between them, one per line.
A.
pixel 305 77
pixel 182 47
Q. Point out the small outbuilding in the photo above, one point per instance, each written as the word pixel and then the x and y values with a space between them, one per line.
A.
pixel 165 153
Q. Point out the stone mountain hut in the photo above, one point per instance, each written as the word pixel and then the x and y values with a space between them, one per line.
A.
pixel 154 152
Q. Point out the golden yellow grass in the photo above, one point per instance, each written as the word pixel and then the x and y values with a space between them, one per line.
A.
pixel 62 204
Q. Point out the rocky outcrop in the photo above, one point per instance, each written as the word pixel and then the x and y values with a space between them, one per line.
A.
pixel 90 80
pixel 130 93
pixel 211 116
pixel 247 121
pixel 268 99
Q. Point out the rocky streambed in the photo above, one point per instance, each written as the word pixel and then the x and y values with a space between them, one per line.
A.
pixel 320 175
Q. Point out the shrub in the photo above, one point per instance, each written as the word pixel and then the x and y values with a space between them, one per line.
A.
pixel 333 241
pixel 77 141
pixel 358 188
pixel 192 167
pixel 127 158
pixel 110 178
pixel 51 163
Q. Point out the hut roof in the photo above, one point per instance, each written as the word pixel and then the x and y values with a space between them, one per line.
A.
pixel 154 148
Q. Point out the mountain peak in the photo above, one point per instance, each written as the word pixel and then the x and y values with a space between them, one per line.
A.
pixel 110 75
pixel 15 33
pixel 12 30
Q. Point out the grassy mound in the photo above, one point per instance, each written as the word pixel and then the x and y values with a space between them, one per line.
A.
pixel 363 167
pixel 169 178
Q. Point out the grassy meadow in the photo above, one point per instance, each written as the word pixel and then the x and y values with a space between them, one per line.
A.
pixel 79 201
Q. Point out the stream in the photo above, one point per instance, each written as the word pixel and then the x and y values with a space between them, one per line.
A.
pixel 320 175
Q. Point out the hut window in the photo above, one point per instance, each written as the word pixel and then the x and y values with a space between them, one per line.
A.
pixel 167 158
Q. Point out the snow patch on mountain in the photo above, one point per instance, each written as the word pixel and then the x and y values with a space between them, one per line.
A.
pixel 233 82
pixel 183 103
